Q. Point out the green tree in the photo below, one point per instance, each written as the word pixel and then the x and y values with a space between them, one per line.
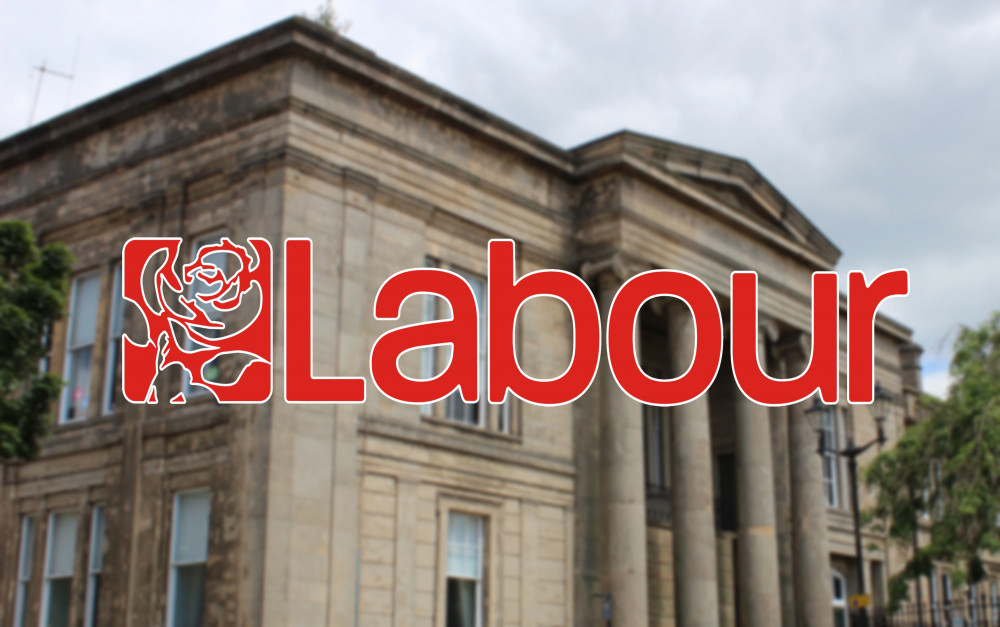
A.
pixel 946 468
pixel 33 286
pixel 326 17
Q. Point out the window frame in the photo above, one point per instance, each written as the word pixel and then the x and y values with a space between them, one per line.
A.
pixel 931 486
pixel 938 487
pixel 499 421
pixel 830 419
pixel 479 578
pixel 173 565
pixel 99 513
pixel 935 605
pixel 47 576
pixel 113 344
pixel 973 605
pixel 189 389
pixel 26 557
pixel 70 347
pixel 994 608
pixel 839 604
pixel 489 512
pixel 656 445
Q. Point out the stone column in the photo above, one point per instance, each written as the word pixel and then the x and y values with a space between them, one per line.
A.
pixel 757 557
pixel 813 585
pixel 783 507
pixel 695 576
pixel 623 487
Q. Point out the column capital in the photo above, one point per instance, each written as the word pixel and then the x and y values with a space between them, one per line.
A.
pixel 617 266
pixel 789 346
pixel 767 329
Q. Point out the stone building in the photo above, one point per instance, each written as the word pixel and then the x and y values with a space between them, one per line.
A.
pixel 716 512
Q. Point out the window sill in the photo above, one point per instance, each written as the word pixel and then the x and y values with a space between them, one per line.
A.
pixel 82 434
pixel 464 428
pixel 73 425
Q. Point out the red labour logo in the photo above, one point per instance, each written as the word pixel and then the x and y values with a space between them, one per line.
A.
pixel 190 318
pixel 213 319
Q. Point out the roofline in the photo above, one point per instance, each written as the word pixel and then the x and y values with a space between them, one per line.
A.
pixel 300 37
pixel 626 132
pixel 295 36
pixel 893 327
pixel 755 181
pixel 883 322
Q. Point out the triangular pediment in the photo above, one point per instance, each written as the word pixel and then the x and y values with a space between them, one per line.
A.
pixel 723 181
pixel 736 196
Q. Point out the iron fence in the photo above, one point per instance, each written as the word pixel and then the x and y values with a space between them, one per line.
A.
pixel 969 612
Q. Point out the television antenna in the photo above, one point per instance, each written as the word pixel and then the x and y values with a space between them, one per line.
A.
pixel 44 69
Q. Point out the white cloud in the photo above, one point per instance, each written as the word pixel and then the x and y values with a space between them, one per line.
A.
pixel 937 383
pixel 878 119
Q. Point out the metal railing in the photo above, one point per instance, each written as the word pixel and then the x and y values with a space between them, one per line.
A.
pixel 979 611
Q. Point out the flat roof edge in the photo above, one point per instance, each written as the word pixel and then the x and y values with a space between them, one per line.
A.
pixel 295 36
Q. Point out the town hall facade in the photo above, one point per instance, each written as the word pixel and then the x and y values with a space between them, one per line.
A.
pixel 716 512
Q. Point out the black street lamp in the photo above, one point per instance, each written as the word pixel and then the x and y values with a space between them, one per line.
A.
pixel 880 409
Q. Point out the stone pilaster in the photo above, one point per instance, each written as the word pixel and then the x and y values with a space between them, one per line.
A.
pixel 695 575
pixel 813 587
pixel 757 558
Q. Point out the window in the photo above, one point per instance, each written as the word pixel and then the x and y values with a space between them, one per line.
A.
pixel 935 616
pixel 111 382
pixel 973 607
pixel 217 259
pixel 724 479
pixel 427 369
pixel 830 465
pixel 59 560
pixel 878 584
pixel 434 358
pixel 188 554
pixel 464 602
pixel 81 333
pixel 839 600
pixel 945 599
pixel 932 492
pixel 457 409
pixel 925 497
pixel 95 565
pixel 655 434
pixel 46 361
pixel 994 607
pixel 939 489
pixel 26 556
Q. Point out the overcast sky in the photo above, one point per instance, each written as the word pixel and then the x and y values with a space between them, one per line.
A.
pixel 879 120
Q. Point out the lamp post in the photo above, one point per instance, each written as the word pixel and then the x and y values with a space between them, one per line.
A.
pixel 880 409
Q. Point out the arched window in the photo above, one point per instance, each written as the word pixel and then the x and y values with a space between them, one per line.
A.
pixel 839 599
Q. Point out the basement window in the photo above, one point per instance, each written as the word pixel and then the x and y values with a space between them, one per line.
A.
pixel 95 565
pixel 839 599
pixel 188 555
pixel 464 602
pixel 60 557
pixel 26 556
